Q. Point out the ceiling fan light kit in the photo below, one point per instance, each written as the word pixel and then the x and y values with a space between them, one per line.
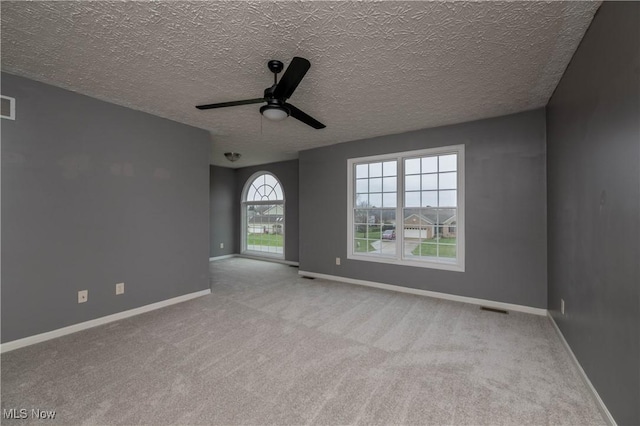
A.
pixel 232 156
pixel 276 96
pixel 274 112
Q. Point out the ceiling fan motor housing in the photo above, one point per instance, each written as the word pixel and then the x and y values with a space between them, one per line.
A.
pixel 275 66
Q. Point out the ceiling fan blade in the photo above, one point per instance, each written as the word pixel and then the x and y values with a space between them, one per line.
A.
pixel 233 103
pixel 305 118
pixel 291 78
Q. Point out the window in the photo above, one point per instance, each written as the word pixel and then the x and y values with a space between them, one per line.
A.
pixel 263 216
pixel 408 208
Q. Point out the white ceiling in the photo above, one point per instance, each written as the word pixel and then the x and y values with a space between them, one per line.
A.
pixel 376 67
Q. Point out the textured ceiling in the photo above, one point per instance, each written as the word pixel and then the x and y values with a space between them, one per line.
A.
pixel 376 67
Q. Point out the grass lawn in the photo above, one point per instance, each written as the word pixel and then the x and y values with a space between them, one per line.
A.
pixel 372 235
pixel 363 246
pixel 273 240
pixel 430 249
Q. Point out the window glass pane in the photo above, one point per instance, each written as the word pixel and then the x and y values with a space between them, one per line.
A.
pixel 430 218
pixel 373 232
pixel 362 185
pixel 374 246
pixel 269 180
pixel 430 181
pixel 360 216
pixel 448 180
pixel 375 169
pixel 448 235
pixel 375 185
pixel 412 199
pixel 446 250
pixel 413 230
pixel 251 193
pixel 447 163
pixel 270 193
pixel 362 200
pixel 389 184
pixel 412 183
pixel 426 248
pixel 412 166
pixel 389 217
pixel 389 168
pixel 447 217
pixel 375 200
pixel 362 170
pixel 361 245
pixel 448 199
pixel 389 199
pixel 429 198
pixel 375 216
pixel 388 241
pixel 429 164
pixel 278 192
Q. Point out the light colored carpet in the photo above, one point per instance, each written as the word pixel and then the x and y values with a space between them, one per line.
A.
pixel 269 347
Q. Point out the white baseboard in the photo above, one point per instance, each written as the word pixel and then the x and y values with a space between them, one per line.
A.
pixel 226 256
pixel 32 340
pixel 603 408
pixel 434 294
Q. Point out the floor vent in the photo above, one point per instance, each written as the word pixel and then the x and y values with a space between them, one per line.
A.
pixel 499 311
pixel 309 278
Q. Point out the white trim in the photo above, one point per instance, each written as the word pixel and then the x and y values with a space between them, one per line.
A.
pixel 602 407
pixel 32 340
pixel 226 256
pixel 268 259
pixel 399 258
pixel 428 293
pixel 12 107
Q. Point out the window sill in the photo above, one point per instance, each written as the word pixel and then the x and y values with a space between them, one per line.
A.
pixel 455 266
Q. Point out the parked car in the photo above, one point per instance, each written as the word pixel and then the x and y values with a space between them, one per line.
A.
pixel 389 234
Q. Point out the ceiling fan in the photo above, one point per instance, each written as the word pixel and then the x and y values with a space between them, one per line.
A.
pixel 276 96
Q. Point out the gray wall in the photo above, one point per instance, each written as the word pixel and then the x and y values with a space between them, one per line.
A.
pixel 287 173
pixel 94 194
pixel 224 212
pixel 594 206
pixel 505 210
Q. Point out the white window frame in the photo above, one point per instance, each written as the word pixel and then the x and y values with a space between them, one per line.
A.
pixel 243 216
pixel 397 258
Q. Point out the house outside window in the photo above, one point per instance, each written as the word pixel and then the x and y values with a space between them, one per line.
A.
pixel 263 219
pixel 407 208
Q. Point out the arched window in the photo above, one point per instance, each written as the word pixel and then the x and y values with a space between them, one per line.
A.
pixel 263 216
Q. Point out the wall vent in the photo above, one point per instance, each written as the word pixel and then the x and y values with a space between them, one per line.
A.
pixel 8 109
pixel 500 311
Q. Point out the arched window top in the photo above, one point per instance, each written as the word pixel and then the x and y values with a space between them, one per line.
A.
pixel 265 187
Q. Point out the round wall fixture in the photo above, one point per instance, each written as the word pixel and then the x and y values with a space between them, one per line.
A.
pixel 232 156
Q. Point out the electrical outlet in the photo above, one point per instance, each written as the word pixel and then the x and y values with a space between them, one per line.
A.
pixel 83 296
pixel 562 306
pixel 221 245
pixel 337 261
pixel 119 288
